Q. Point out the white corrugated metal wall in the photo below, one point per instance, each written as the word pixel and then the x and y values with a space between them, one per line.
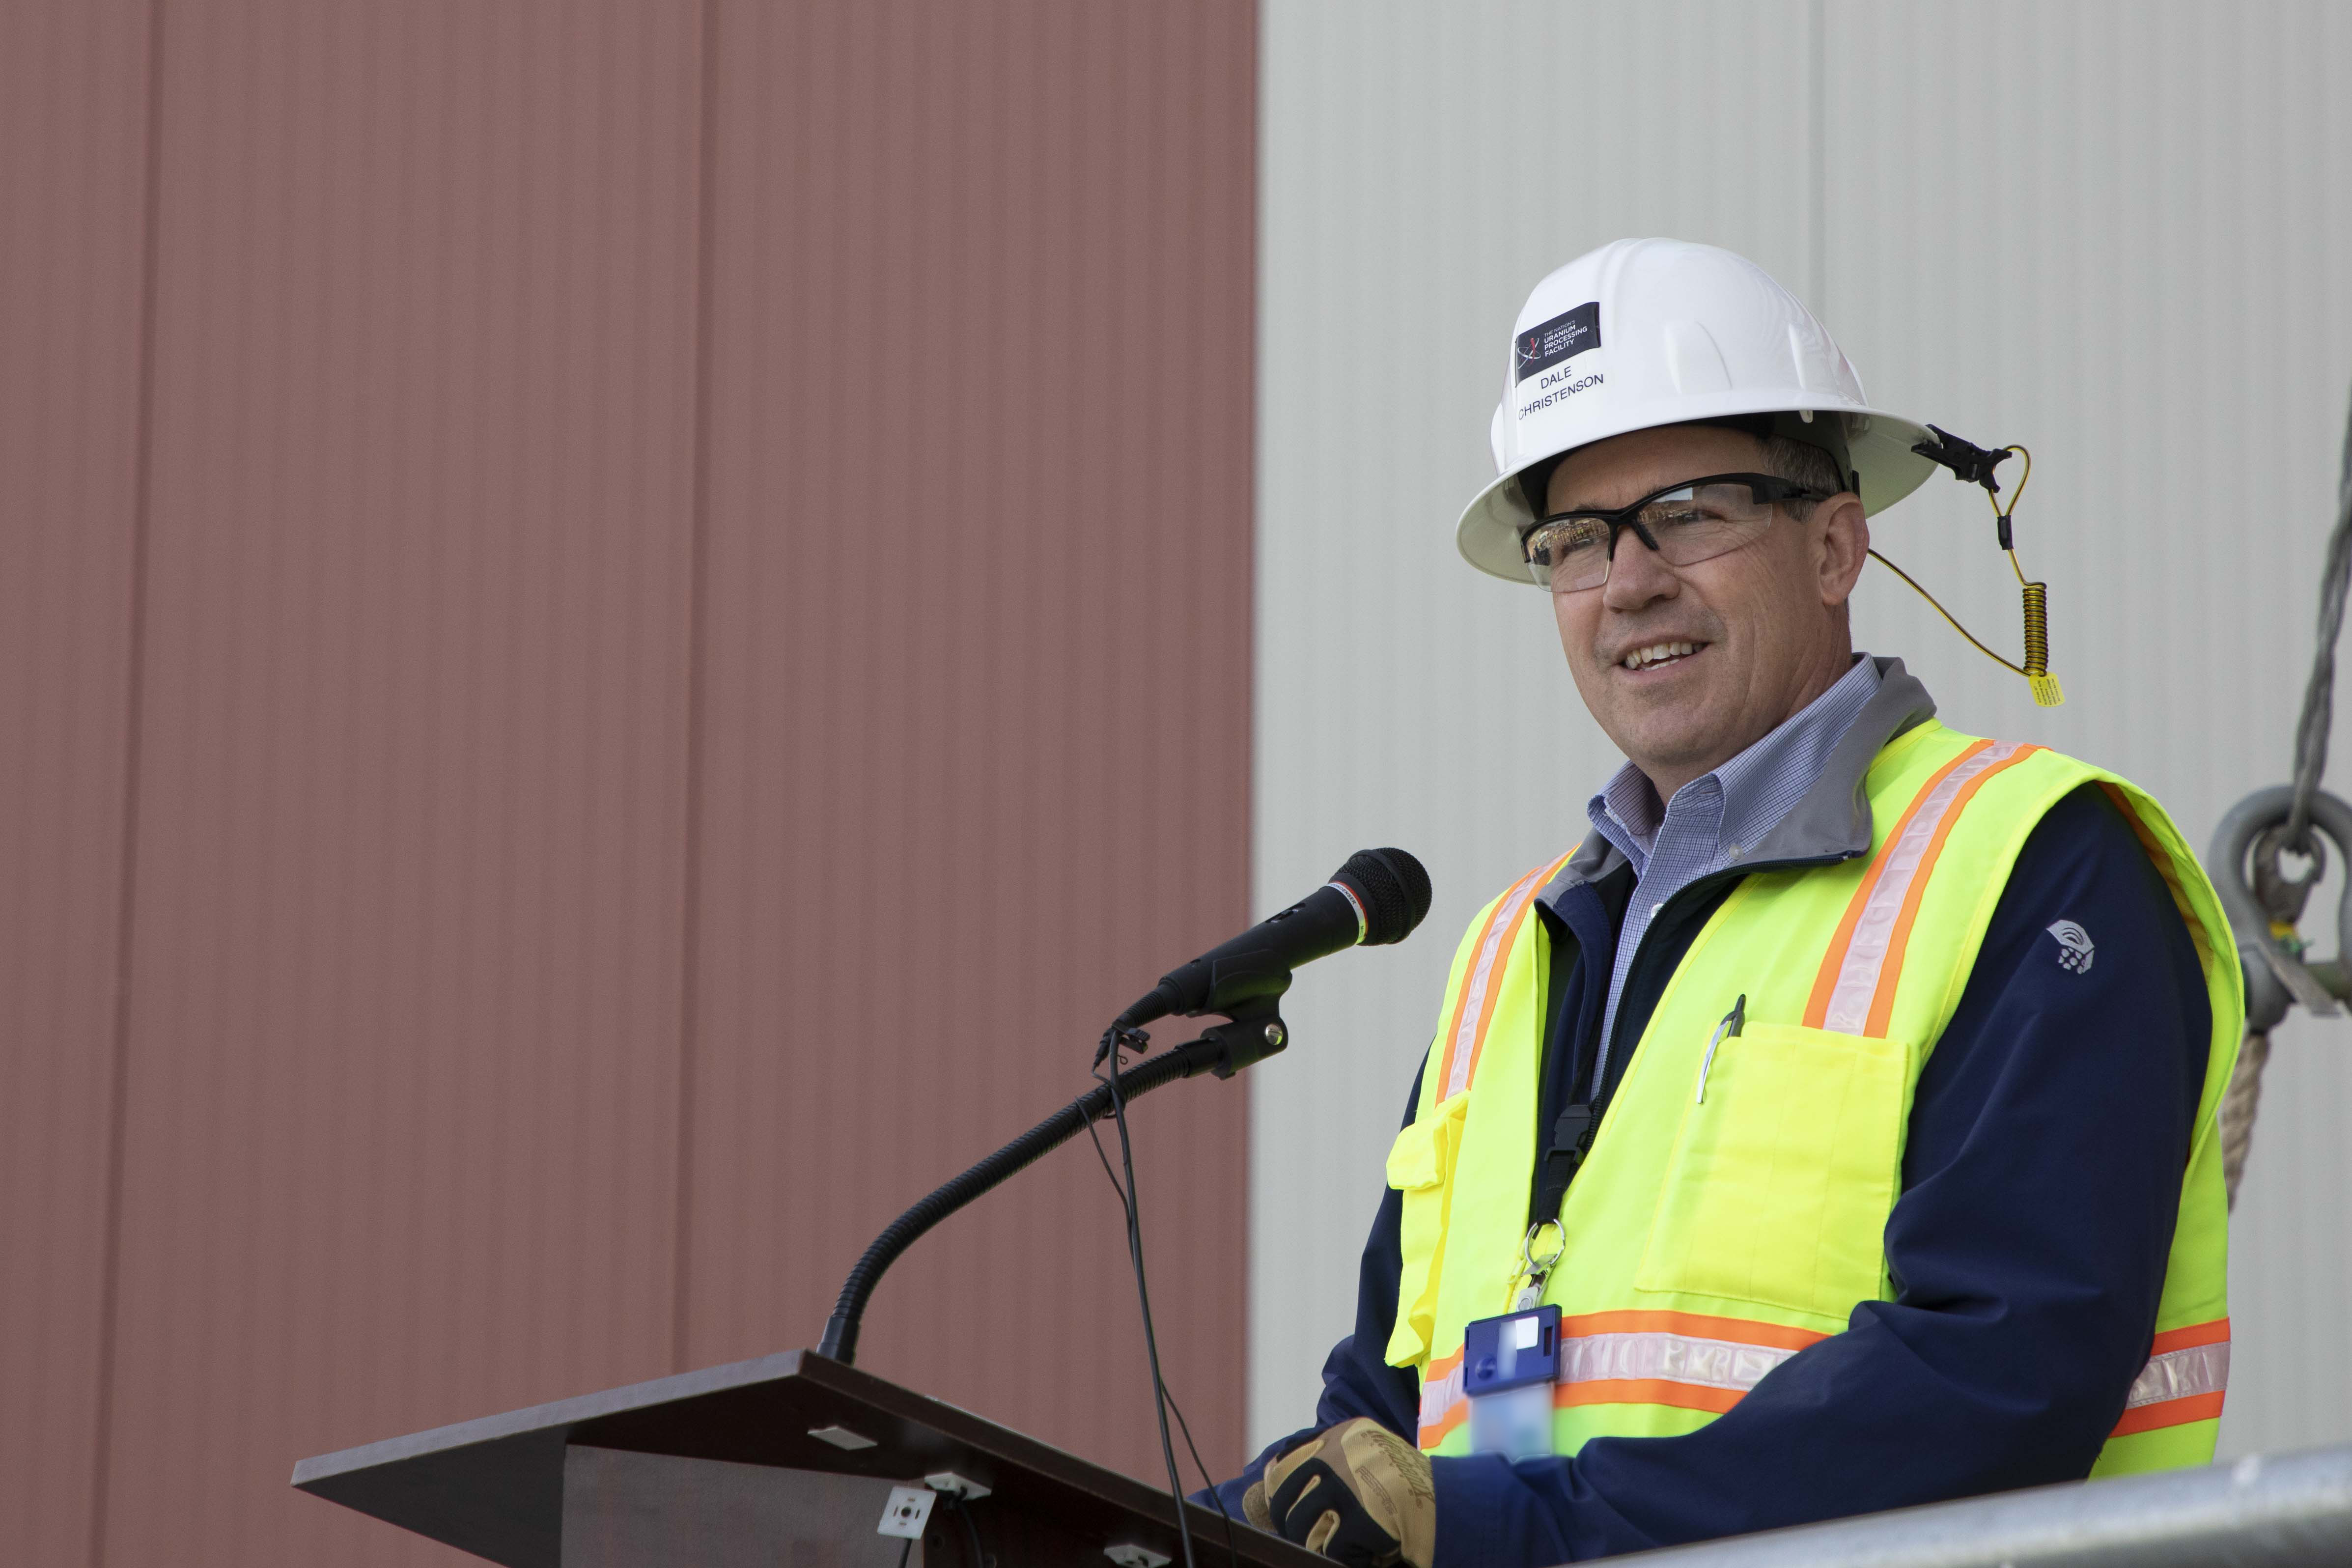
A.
pixel 2116 233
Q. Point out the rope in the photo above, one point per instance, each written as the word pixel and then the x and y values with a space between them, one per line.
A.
pixel 2243 1097
pixel 2239 1103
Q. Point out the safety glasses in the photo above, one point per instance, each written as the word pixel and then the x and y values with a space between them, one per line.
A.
pixel 1686 523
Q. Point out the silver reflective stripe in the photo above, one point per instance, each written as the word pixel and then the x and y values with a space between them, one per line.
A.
pixel 2181 1374
pixel 1645 1357
pixel 1482 974
pixel 1671 1358
pixel 1865 955
pixel 1440 1397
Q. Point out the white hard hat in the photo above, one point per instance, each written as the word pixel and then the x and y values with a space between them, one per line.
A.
pixel 1644 332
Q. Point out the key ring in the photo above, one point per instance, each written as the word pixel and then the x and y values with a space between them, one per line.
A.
pixel 1527 1263
pixel 1532 1271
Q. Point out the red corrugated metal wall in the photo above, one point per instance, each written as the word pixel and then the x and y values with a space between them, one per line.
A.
pixel 73 156
pixel 626 622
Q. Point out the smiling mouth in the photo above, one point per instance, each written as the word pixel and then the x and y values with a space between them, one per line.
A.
pixel 1658 655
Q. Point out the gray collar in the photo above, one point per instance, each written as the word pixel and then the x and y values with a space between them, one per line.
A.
pixel 1832 820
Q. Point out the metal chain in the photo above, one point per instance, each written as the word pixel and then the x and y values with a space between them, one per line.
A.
pixel 2319 696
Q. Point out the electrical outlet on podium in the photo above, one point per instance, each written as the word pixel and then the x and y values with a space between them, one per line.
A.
pixel 907 1512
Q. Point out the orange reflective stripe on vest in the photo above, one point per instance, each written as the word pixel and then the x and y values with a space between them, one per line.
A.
pixel 1474 1008
pixel 1684 1359
pixel 2183 1381
pixel 1443 1405
pixel 1698 1362
pixel 1689 1360
pixel 1856 991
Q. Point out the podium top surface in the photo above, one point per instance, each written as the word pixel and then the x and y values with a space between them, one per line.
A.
pixel 494 1487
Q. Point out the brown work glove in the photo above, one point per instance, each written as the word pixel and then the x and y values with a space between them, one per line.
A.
pixel 1356 1493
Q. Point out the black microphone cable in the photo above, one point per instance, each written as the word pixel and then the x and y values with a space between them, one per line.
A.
pixel 957 1506
pixel 1115 1041
pixel 1208 1481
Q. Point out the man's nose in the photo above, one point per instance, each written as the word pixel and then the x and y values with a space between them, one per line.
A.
pixel 1637 576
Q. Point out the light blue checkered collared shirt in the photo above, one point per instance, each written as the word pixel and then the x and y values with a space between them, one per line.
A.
pixel 1715 819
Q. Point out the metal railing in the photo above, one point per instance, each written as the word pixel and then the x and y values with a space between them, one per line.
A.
pixel 2284 1510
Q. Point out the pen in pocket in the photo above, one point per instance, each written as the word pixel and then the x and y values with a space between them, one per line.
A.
pixel 1732 1023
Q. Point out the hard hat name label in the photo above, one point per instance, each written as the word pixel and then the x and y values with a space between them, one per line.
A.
pixel 1547 398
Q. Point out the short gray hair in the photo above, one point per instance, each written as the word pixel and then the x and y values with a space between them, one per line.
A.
pixel 1801 463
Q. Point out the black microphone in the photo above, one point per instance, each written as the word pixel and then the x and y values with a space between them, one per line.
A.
pixel 1378 896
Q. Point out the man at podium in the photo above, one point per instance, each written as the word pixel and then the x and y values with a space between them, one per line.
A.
pixel 1833 1128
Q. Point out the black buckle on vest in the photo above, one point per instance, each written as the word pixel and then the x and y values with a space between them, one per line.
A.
pixel 1572 1136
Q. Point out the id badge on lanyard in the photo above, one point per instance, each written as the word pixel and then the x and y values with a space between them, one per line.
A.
pixel 1509 1365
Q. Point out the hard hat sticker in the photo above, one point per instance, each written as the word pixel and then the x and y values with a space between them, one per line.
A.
pixel 1564 336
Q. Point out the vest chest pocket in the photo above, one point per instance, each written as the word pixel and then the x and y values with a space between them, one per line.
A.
pixel 1780 1182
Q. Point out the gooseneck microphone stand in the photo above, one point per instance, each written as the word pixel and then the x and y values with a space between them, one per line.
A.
pixel 1254 1033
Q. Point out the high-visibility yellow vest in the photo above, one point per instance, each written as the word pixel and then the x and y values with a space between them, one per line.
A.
pixel 1733 1204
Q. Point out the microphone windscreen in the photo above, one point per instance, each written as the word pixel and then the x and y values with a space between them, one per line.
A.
pixel 1394 889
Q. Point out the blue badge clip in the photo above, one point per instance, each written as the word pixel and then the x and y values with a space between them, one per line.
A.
pixel 1510 1352
pixel 1509 1367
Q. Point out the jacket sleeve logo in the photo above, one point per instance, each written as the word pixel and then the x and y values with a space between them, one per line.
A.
pixel 2075 949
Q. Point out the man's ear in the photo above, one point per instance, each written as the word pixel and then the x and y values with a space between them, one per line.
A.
pixel 1840 538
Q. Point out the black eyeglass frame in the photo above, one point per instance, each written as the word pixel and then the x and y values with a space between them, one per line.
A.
pixel 1768 488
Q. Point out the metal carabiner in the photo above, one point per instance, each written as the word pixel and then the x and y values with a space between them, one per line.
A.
pixel 1533 1272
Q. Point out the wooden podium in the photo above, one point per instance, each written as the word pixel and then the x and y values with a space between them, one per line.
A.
pixel 783 1462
